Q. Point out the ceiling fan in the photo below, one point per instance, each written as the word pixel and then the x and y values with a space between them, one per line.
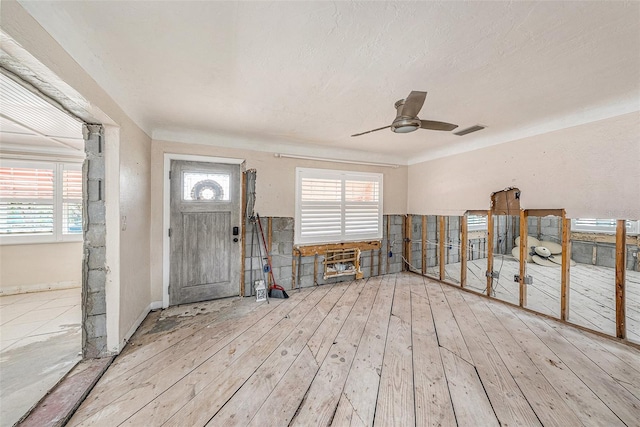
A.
pixel 407 116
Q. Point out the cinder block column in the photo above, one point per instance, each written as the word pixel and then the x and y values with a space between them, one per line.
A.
pixel 94 310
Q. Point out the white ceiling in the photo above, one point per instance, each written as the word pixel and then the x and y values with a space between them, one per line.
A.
pixel 316 72
pixel 29 124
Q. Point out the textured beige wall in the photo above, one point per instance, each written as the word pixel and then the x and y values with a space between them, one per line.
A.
pixel 275 188
pixel 592 171
pixel 135 150
pixel 27 268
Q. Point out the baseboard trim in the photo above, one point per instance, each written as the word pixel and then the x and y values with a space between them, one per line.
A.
pixel 40 287
pixel 135 326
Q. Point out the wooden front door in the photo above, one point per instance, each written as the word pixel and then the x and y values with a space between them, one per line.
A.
pixel 205 209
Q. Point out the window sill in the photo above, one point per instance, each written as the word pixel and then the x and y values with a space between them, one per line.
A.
pixel 37 240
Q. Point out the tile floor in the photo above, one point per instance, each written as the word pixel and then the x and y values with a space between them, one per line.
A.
pixel 40 341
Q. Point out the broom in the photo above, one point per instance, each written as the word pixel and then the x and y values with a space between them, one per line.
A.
pixel 275 290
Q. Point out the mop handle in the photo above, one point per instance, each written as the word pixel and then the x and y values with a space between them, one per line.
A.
pixel 264 242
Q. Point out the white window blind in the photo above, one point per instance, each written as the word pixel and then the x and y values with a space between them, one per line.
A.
pixel 27 200
pixel 476 222
pixel 40 202
pixel 594 225
pixel 337 206
pixel 71 201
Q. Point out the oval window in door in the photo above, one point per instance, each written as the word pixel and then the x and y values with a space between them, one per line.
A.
pixel 205 187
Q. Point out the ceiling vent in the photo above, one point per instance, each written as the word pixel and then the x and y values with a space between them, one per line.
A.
pixel 469 130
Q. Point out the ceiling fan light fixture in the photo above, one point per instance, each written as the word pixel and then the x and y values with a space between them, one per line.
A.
pixel 405 125
pixel 404 128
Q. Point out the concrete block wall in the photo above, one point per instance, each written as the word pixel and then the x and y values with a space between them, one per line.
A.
pixel 477 249
pixel 396 240
pixel 550 228
pixel 281 251
pixel 504 233
pixel 416 242
pixel 452 239
pixel 94 317
pixel 433 240
pixel 605 254
pixel 582 252
pixel 452 242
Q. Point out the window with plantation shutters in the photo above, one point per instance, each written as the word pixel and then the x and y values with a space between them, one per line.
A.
pixel 476 222
pixel 337 206
pixel 71 201
pixel 594 225
pixel 40 202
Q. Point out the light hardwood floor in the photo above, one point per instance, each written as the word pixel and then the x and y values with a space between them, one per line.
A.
pixel 395 350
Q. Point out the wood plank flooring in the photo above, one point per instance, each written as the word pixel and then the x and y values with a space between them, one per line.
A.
pixel 393 350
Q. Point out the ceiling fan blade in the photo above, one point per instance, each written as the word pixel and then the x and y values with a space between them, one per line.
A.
pixel 369 131
pixel 413 104
pixel 430 124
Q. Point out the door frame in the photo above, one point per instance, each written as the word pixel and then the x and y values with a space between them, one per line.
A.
pixel 166 209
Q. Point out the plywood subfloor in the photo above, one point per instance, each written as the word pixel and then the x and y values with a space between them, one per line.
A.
pixel 396 350
pixel 592 291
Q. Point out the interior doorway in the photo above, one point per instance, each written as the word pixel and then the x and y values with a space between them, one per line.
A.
pixel 42 151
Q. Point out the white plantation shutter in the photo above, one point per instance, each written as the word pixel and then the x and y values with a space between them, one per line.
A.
pixel 71 200
pixel 27 200
pixel 476 222
pixel 40 202
pixel 320 209
pixel 594 225
pixel 336 206
pixel 362 208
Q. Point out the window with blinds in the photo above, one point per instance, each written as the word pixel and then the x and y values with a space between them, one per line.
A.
pixel 594 225
pixel 71 201
pixel 476 222
pixel 337 206
pixel 39 202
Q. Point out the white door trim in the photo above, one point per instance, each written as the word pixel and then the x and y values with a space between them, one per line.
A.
pixel 166 209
